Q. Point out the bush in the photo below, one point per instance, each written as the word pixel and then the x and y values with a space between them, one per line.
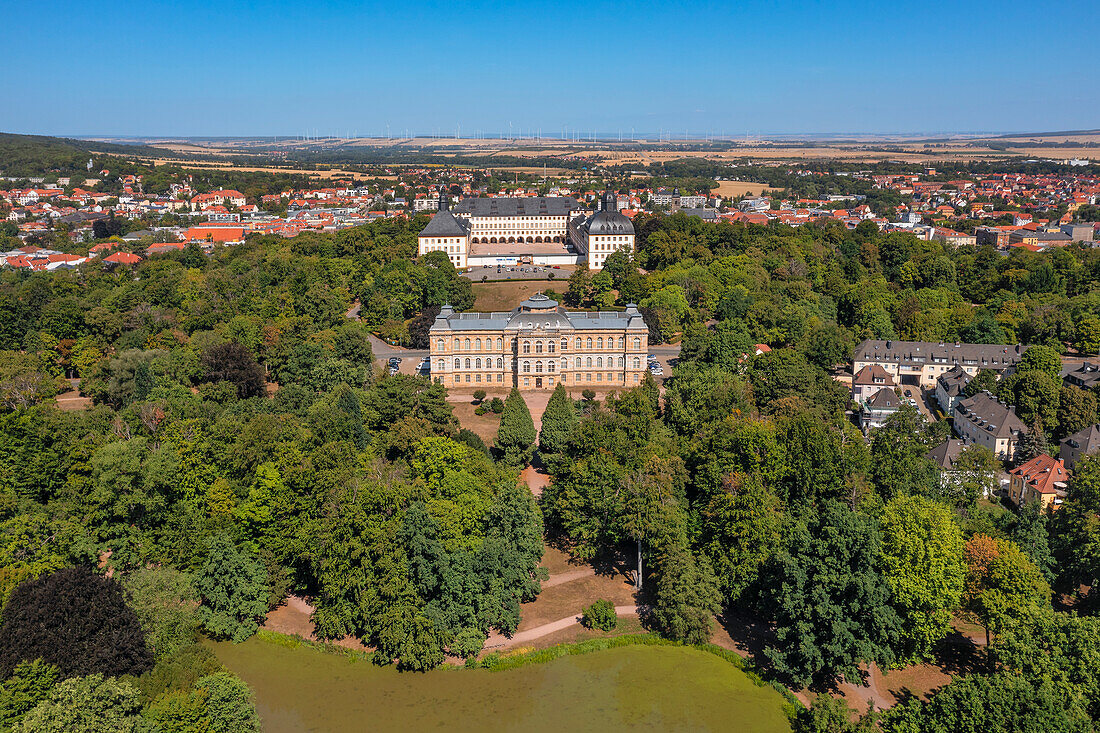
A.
pixel 479 395
pixel 480 410
pixel 588 395
pixel 496 405
pixel 600 615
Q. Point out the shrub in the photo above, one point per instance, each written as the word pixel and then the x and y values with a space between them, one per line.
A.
pixel 480 410
pixel 479 395
pixel 600 615
pixel 588 395
pixel 496 405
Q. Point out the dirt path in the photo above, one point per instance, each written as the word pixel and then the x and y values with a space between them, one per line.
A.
pixel 561 578
pixel 499 641
pixel 536 481
pixel 871 691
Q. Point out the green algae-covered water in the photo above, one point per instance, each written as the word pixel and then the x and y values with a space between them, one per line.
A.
pixel 635 688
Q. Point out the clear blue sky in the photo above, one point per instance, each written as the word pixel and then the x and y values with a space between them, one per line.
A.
pixel 261 68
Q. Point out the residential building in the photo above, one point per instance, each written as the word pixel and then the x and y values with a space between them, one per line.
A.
pixel 921 362
pixel 1086 376
pixel 1080 444
pixel 985 420
pixel 876 411
pixel 955 239
pixel 949 387
pixel 868 381
pixel 537 346
pixel 1042 479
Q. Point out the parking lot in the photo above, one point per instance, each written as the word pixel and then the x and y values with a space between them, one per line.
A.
pixel 519 272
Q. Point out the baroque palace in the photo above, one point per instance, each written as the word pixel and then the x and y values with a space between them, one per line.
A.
pixel 537 346
pixel 539 230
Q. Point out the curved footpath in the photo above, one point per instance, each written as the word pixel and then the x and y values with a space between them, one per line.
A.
pixel 499 641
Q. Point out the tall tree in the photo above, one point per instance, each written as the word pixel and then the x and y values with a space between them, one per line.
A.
pixel 233 586
pixel 516 435
pixel 686 596
pixel 559 423
pixel 232 362
pixel 76 620
pixel 826 594
pixel 922 551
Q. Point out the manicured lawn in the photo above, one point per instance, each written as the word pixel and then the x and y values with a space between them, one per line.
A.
pixel 636 688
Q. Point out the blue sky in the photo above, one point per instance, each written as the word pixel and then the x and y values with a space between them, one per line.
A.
pixel 755 67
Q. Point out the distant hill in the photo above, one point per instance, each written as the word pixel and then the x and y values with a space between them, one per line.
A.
pixel 36 155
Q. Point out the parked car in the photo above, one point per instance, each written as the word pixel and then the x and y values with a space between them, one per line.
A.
pixel 652 357
pixel 656 370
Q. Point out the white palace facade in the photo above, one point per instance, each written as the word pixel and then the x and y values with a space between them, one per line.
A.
pixel 538 346
pixel 536 230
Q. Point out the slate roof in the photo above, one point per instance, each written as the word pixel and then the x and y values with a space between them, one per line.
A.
pixel 953 380
pixel 483 206
pixel 1087 440
pixel 984 356
pixel 444 224
pixel 945 454
pixel 884 399
pixel 547 316
pixel 988 413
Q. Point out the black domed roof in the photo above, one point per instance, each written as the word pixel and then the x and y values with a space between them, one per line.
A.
pixel 609 222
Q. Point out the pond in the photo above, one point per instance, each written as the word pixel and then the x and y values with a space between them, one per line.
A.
pixel 637 688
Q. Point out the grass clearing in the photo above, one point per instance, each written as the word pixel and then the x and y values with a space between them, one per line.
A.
pixel 657 687
pixel 504 295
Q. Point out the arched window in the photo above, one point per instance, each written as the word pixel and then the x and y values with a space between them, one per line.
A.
pixel 500 344
pixel 589 364
pixel 439 345
pixel 526 367
pixel 620 362
pixel 458 344
pixel 551 365
pixel 588 344
pixel 550 346
pixel 599 343
pixel 439 366
pixel 565 344
pixel 599 361
pixel 564 364
pixel 538 347
pixel 477 344
pixel 500 363
pixel 477 364
pixel 578 342
pixel 637 363
pixel 538 367
pixel 526 347
pixel 467 363
pixel 467 344
pixel 637 343
pixel 620 342
pixel 578 362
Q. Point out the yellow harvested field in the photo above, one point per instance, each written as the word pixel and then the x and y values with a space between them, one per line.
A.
pixel 335 173
pixel 742 188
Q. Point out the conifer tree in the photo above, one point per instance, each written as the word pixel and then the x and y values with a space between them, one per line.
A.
pixel 516 437
pixel 559 422
pixel 1032 443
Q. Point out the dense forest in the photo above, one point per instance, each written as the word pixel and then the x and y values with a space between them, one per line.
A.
pixel 241 447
